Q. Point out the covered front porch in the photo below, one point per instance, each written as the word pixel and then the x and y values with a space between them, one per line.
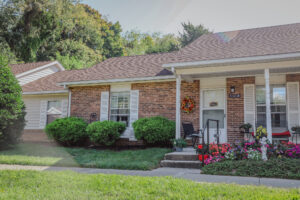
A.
pixel 262 92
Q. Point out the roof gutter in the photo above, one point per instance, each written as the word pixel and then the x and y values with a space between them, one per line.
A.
pixel 93 82
pixel 252 59
pixel 46 92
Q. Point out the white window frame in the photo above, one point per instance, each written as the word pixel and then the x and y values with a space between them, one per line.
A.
pixel 111 108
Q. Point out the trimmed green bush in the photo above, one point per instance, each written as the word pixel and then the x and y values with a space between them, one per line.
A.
pixel 277 168
pixel 154 130
pixel 68 131
pixel 12 109
pixel 106 132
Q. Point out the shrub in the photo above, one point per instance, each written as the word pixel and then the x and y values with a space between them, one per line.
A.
pixel 154 130
pixel 68 131
pixel 279 168
pixel 106 132
pixel 12 109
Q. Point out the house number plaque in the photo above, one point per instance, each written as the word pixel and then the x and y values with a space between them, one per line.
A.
pixel 234 95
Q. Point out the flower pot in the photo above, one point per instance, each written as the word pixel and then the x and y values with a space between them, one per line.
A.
pixel 178 149
pixel 246 130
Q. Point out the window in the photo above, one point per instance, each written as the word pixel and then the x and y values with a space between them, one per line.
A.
pixel 278 106
pixel 119 107
pixel 54 111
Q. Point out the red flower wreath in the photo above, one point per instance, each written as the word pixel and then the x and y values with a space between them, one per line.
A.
pixel 187 105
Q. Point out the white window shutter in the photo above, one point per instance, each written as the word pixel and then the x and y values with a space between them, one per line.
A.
pixel 249 104
pixel 134 106
pixel 104 106
pixel 293 104
pixel 64 105
pixel 43 114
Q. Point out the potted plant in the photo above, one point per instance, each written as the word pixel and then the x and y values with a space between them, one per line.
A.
pixel 179 144
pixel 296 129
pixel 245 128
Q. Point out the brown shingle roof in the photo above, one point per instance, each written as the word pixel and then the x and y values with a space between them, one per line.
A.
pixel 48 83
pixel 21 68
pixel 272 40
pixel 125 67
pixel 233 44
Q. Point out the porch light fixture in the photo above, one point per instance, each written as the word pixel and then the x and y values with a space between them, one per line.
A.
pixel 232 89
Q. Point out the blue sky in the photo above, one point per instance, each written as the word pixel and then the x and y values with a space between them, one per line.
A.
pixel 218 15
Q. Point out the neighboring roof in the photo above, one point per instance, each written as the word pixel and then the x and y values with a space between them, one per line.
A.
pixel 48 83
pixel 283 39
pixel 24 67
pixel 125 67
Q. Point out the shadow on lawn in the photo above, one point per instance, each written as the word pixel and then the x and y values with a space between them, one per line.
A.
pixel 54 155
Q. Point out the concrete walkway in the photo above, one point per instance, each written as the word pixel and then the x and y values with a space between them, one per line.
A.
pixel 191 174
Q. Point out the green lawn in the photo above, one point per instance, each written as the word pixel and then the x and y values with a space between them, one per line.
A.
pixel 71 185
pixel 35 154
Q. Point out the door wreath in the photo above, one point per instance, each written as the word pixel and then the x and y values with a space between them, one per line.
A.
pixel 187 105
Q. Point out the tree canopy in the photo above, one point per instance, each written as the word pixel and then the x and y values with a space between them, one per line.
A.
pixel 191 32
pixel 12 109
pixel 75 34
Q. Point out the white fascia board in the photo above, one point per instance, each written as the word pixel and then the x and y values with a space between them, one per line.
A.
pixel 231 60
pixel 118 80
pixel 42 67
pixel 46 92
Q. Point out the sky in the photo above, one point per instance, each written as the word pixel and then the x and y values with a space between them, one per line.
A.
pixel 166 16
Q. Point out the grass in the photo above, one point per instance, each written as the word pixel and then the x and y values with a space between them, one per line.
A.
pixel 36 154
pixel 71 185
pixel 276 168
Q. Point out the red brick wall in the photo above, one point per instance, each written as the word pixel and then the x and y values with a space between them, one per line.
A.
pixel 86 100
pixel 235 107
pixel 191 90
pixel 159 98
pixel 293 78
pixel 156 98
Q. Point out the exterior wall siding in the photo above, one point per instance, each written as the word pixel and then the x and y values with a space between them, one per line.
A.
pixel 86 100
pixel 33 104
pixel 235 107
pixel 37 75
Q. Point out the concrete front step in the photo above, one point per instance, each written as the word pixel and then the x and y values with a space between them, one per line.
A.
pixel 181 164
pixel 180 156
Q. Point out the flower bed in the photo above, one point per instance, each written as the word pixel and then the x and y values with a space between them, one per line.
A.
pixel 246 150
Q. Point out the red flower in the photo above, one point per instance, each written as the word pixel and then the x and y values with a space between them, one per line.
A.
pixel 205 157
pixel 200 146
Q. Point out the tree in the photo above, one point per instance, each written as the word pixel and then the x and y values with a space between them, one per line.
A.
pixel 12 109
pixel 38 30
pixel 191 33
pixel 137 43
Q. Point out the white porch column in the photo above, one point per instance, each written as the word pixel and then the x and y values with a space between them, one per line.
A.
pixel 268 105
pixel 178 116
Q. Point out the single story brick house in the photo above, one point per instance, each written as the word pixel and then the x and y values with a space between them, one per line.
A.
pixel 246 76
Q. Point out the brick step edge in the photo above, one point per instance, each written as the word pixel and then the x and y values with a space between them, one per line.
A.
pixel 180 164
pixel 182 157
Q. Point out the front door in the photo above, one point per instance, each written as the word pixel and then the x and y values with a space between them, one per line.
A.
pixel 213 106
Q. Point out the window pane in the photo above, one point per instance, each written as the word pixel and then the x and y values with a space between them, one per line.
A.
pixel 278 120
pixel 119 109
pixel 216 115
pixel 213 99
pixel 278 95
pixel 260 95
pixel 278 107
